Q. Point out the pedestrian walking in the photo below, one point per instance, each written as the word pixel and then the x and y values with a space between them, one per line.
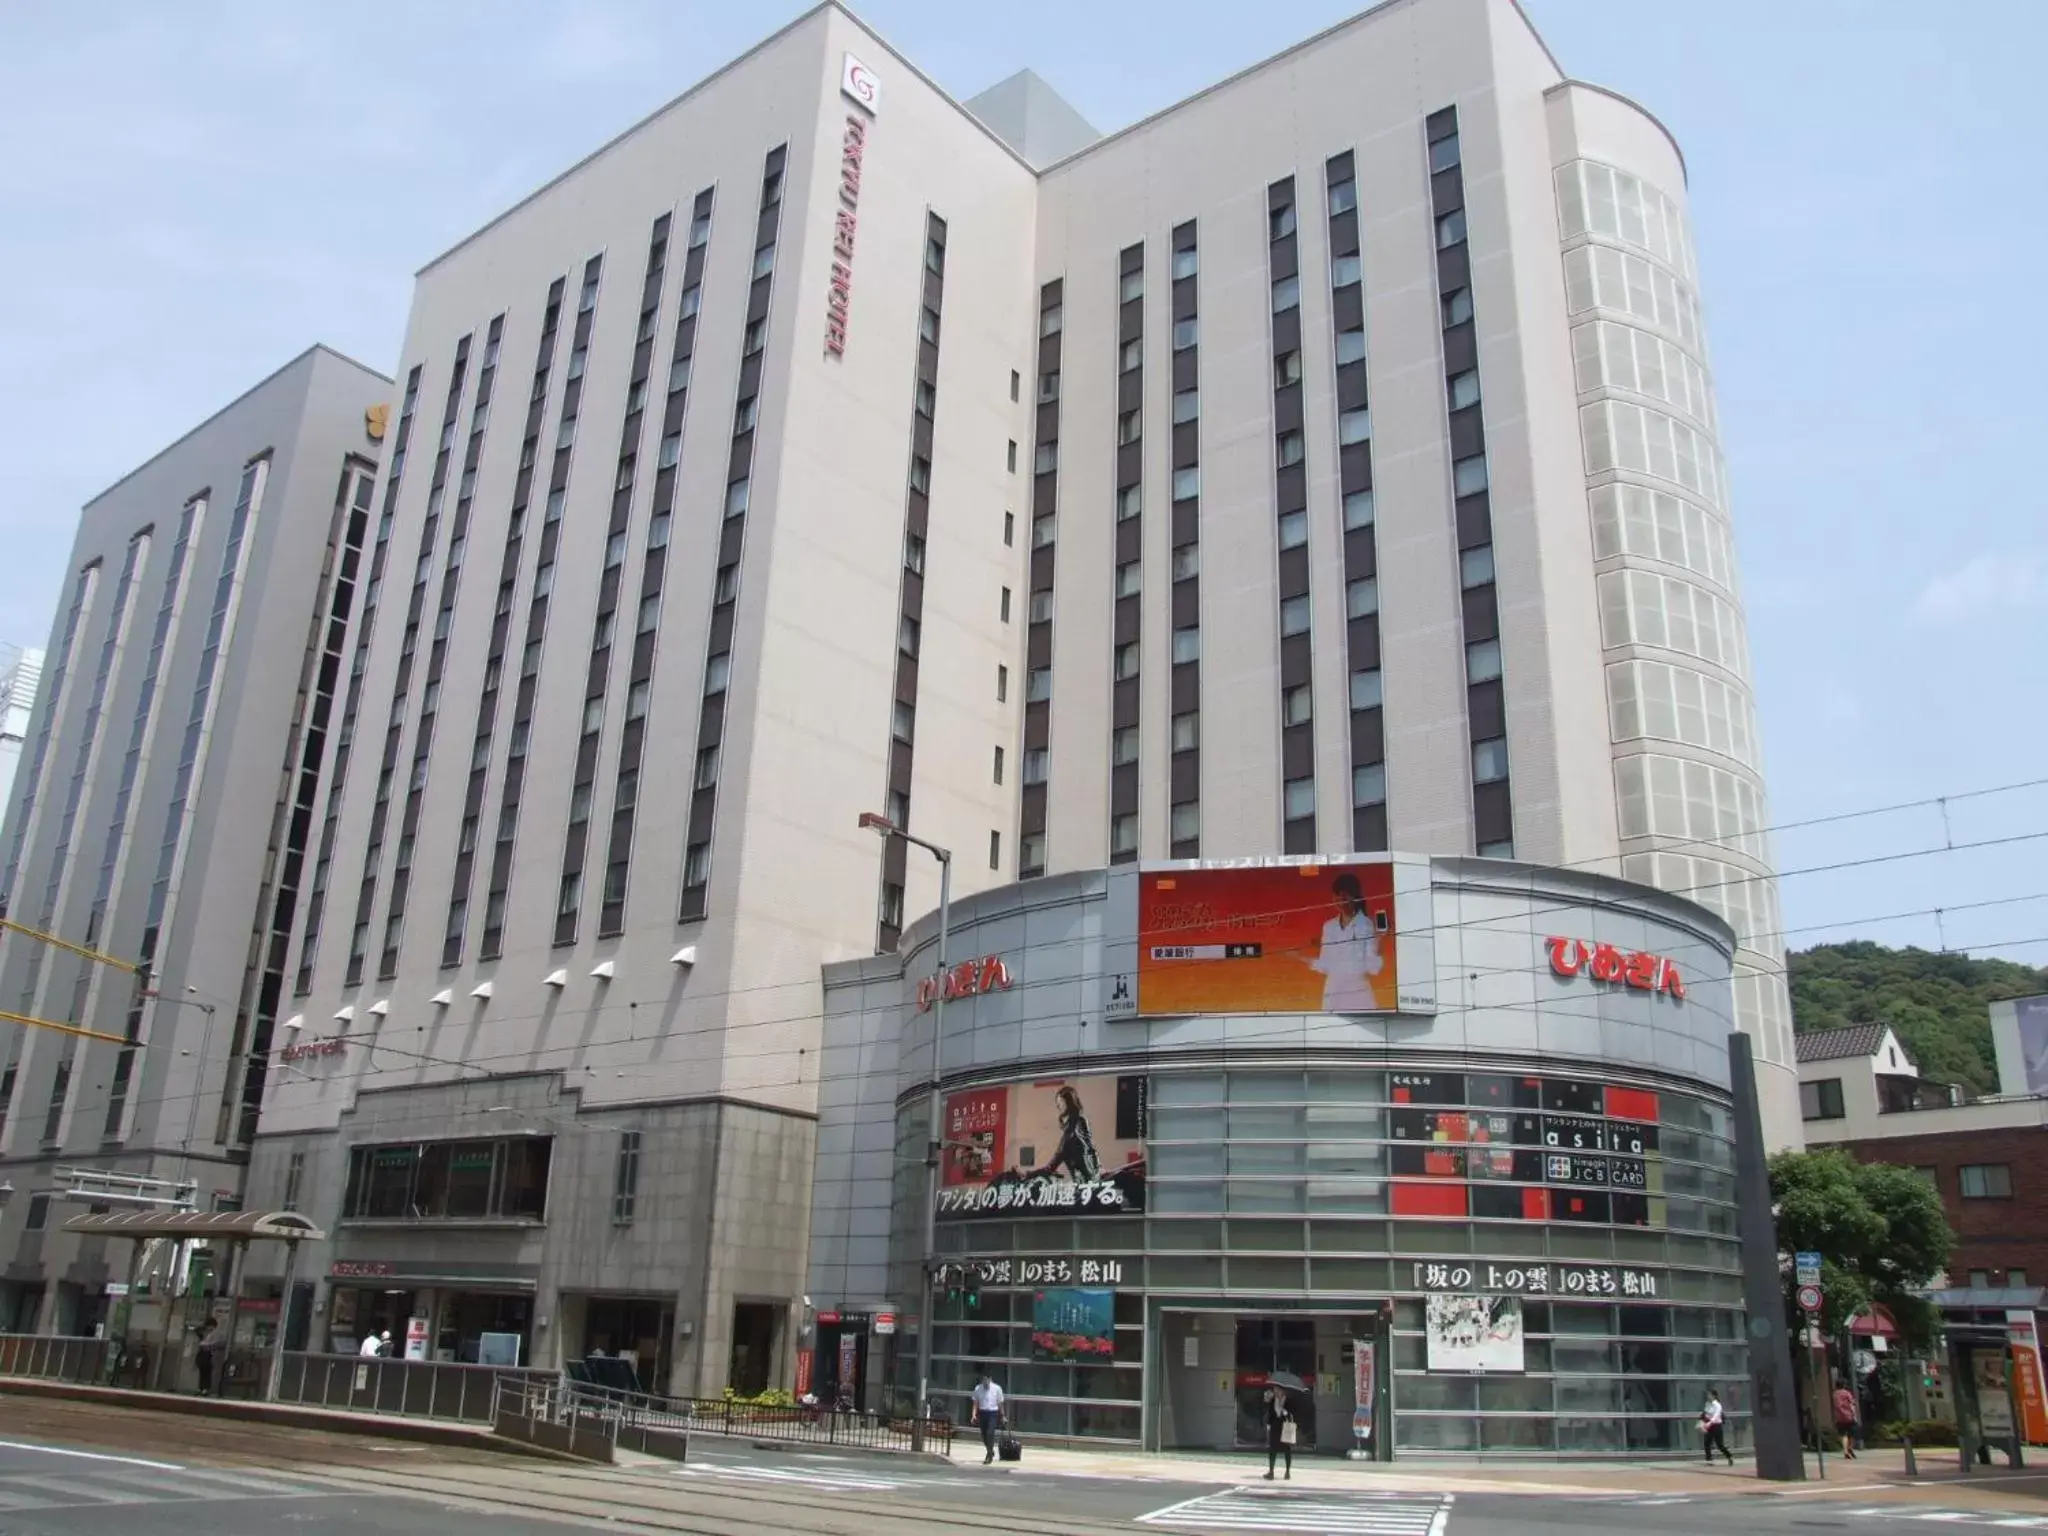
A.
pixel 1281 1431
pixel 1846 1418
pixel 988 1414
pixel 1713 1430
pixel 204 1357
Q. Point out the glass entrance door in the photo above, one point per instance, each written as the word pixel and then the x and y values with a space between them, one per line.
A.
pixel 1266 1345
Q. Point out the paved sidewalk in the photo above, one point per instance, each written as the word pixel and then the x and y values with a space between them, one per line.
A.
pixel 1873 1473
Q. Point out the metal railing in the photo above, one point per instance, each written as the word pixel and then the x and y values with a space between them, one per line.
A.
pixel 47 1357
pixel 800 1423
pixel 559 1415
pixel 414 1389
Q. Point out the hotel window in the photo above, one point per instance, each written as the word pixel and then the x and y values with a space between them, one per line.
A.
pixel 1293 530
pixel 1986 1181
pixel 1130 286
pixel 902 721
pixel 1286 294
pixel 1185 821
pixel 1295 707
pixel 1043 531
pixel 1280 221
pixel 1468 475
pixel 890 909
pixel 1123 745
pixel 1358 510
pixel 995 850
pixel 1130 501
pixel 1123 833
pixel 1128 426
pixel 1482 661
pixel 1037 763
pixel 1131 356
pixel 1490 760
pixel 1361 597
pixel 1031 854
pixel 1184 334
pixel 1287 368
pixel 999 765
pixel 717 671
pixel 1289 448
pixel 1354 427
pixel 1475 566
pixel 1187 561
pixel 745 414
pixel 1051 320
pixel 1187 645
pixel 1187 483
pixel 1002 604
pixel 1185 263
pixel 1443 154
pixel 1300 798
pixel 1045 458
pixel 913 561
pixel 1457 307
pixel 1037 685
pixel 1009 529
pixel 1187 731
pixel 1048 387
pixel 1366 691
pixel 1002 683
pixel 1464 389
pixel 707 768
pixel 1187 405
pixel 1369 784
pixel 1041 607
pixel 1129 578
pixel 1345 270
pixel 1450 229
pixel 921 475
pixel 1294 616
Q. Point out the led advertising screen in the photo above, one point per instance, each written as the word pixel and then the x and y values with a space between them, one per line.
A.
pixel 1073 1324
pixel 1290 938
pixel 1071 1145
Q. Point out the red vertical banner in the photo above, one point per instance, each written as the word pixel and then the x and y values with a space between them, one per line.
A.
pixel 2021 1333
pixel 1362 1385
pixel 804 1357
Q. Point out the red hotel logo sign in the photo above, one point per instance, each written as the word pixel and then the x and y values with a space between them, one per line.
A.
pixel 988 974
pixel 839 298
pixel 330 1047
pixel 1604 962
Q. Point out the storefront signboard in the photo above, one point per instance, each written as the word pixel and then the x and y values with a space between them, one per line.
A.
pixel 1474 1333
pixel 970 978
pixel 361 1269
pixel 1608 963
pixel 416 1338
pixel 1479 1275
pixel 1075 1145
pixel 1049 1271
pixel 1288 938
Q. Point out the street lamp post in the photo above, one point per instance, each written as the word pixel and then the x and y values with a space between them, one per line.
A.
pixel 935 1132
pixel 198 1073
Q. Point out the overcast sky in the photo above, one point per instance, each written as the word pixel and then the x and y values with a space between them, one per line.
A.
pixel 191 194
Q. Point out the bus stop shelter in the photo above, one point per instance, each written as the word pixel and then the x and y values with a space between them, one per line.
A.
pixel 235 1230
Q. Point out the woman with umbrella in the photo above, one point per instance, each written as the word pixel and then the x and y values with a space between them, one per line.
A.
pixel 1281 1426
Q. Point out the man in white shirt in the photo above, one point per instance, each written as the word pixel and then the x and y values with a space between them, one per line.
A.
pixel 988 1413
pixel 371 1347
pixel 1349 955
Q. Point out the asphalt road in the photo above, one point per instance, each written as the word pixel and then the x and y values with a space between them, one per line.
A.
pixel 67 1491
pixel 73 1469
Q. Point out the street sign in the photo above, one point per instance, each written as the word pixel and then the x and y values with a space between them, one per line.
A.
pixel 1809 1298
pixel 1806 1268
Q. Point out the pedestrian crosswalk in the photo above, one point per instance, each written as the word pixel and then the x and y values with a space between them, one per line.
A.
pixel 1996 1519
pixel 823 1479
pixel 102 1484
pixel 1311 1513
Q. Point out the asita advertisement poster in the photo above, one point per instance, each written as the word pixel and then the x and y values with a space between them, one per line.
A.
pixel 1072 1324
pixel 1290 938
pixel 1070 1144
pixel 2031 1015
pixel 1474 1333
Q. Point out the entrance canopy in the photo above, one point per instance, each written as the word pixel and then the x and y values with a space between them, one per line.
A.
pixel 231 1226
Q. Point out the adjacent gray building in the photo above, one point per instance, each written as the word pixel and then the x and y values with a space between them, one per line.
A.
pixel 161 812
pixel 21 676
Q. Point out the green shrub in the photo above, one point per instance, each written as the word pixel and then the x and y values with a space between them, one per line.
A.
pixel 1925 1432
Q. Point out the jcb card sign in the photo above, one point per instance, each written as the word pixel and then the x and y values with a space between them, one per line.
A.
pixel 1291 938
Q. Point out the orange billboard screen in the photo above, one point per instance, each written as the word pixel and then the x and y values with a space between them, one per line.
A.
pixel 1296 938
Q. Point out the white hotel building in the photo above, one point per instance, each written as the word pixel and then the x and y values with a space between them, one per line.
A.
pixel 1326 463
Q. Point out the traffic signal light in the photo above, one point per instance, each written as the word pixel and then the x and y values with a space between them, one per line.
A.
pixel 952 1277
pixel 973 1294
